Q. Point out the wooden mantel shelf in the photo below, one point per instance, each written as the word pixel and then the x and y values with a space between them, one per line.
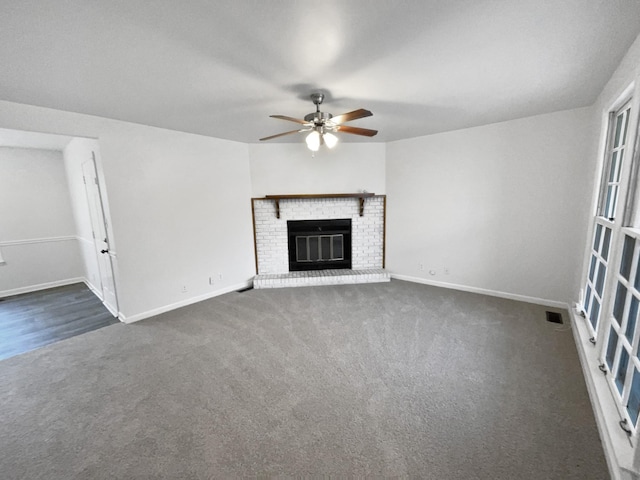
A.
pixel 360 196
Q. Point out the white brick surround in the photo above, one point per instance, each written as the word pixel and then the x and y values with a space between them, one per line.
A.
pixel 367 234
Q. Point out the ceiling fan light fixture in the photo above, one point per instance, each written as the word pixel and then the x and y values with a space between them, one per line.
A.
pixel 322 125
pixel 330 140
pixel 313 141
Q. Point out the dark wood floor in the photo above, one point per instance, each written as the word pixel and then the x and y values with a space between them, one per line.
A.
pixel 32 320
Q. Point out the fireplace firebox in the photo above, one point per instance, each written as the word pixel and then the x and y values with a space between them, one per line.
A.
pixel 319 244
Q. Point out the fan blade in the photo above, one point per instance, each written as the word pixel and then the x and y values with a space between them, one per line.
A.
pixel 356 130
pixel 290 119
pixel 347 117
pixel 283 134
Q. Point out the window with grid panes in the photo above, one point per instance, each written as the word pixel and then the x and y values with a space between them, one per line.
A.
pixel 617 144
pixel 617 299
pixel 621 355
pixel 604 221
pixel 597 272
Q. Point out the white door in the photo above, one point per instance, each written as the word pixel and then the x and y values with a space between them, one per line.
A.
pixel 100 235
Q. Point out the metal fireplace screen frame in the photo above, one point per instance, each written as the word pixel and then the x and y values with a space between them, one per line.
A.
pixel 319 244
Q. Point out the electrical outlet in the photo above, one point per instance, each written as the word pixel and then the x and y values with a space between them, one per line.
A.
pixel 421 266
pixel 219 276
pixel 446 270
pixel 184 289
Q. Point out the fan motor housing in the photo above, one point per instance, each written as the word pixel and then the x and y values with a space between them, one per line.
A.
pixel 318 118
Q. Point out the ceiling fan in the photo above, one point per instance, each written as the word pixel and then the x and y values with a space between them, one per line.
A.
pixel 322 125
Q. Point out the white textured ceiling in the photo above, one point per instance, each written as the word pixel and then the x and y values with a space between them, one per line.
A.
pixel 221 67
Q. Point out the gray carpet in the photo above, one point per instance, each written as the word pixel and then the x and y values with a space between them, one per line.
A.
pixel 378 380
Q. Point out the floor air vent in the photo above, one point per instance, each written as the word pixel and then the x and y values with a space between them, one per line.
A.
pixel 554 317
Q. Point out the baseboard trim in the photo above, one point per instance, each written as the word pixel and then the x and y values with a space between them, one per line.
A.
pixel 98 294
pixel 92 287
pixel 112 311
pixel 40 286
pixel 173 306
pixel 483 291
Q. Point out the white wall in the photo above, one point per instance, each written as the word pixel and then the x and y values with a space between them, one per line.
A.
pixel 288 168
pixel 179 204
pixel 500 206
pixel 181 213
pixel 75 154
pixel 37 232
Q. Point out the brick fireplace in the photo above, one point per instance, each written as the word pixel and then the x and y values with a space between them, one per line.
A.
pixel 366 212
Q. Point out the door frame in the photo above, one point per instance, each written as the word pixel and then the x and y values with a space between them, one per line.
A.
pixel 102 235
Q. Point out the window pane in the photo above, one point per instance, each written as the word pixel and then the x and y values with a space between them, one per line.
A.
pixel 611 348
pixel 618 306
pixel 626 124
pixel 608 210
pixel 592 268
pixel 596 242
pixel 633 406
pixel 620 157
pixel 587 298
pixel 627 256
pixel 619 128
pixel 595 312
pixel 615 202
pixel 622 369
pixel 600 281
pixel 631 319
pixel 301 249
pixel 605 243
pixel 614 174
pixel 636 282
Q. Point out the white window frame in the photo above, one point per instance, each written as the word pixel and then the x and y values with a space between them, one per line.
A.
pixel 631 347
pixel 599 263
pixel 620 226
pixel 617 157
pixel 589 296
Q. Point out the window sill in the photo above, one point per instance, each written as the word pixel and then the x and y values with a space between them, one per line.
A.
pixel 620 450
